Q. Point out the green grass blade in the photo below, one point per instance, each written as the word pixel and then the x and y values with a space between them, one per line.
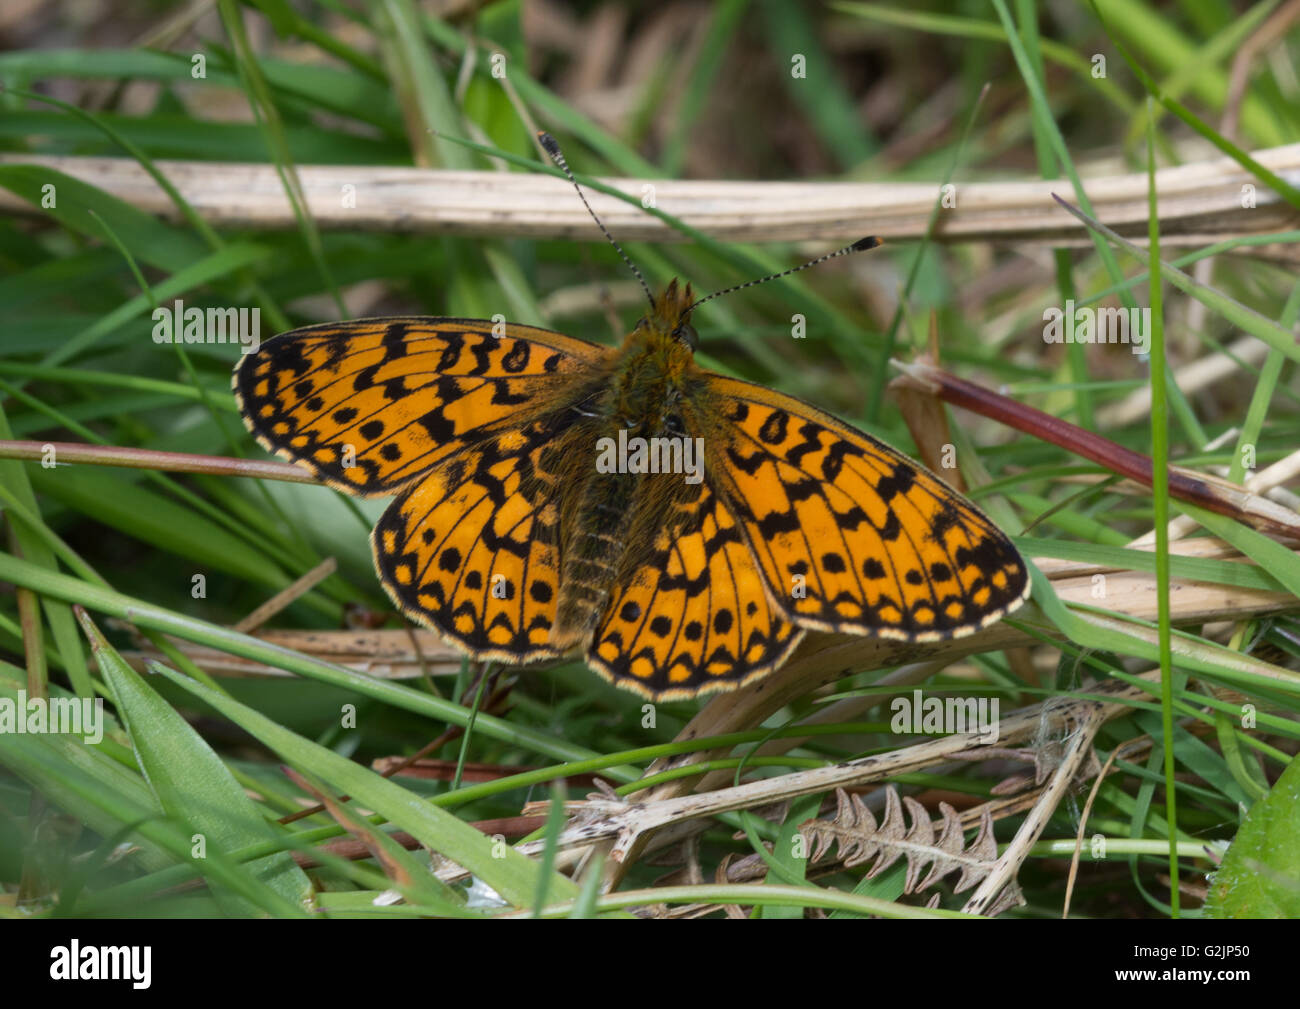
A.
pixel 190 782
pixel 512 875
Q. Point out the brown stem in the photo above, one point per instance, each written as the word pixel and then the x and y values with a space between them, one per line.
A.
pixel 1183 484
pixel 143 458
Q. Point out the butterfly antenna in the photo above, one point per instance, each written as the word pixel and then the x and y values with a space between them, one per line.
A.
pixel 861 245
pixel 553 149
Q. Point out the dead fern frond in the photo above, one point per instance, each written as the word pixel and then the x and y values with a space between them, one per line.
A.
pixel 861 839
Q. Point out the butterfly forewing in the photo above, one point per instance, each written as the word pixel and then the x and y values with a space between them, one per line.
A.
pixel 370 405
pixel 851 535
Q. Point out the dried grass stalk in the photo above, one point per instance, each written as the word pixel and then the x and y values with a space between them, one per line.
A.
pixel 1199 202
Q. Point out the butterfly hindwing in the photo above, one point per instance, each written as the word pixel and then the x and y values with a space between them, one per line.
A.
pixel 471 548
pixel 693 615
pixel 850 535
pixel 370 404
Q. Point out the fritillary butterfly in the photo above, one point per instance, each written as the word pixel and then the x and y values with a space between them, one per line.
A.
pixel 510 539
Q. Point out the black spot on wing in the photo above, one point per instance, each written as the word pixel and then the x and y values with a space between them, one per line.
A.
pixel 900 481
pixel 773 429
pixel 515 360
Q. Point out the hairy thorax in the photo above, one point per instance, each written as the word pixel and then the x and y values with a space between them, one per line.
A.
pixel 627 465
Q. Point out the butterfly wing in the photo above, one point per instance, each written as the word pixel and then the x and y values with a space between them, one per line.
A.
pixel 693 615
pixel 850 535
pixel 470 548
pixel 368 405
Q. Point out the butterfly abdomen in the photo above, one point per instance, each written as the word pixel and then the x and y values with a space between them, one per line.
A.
pixel 603 501
pixel 592 553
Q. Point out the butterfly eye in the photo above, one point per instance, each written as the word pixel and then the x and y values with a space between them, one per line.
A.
pixel 686 333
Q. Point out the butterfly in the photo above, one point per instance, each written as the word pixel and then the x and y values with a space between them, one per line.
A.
pixel 678 528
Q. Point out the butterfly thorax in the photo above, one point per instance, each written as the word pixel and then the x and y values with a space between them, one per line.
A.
pixel 653 367
pixel 612 512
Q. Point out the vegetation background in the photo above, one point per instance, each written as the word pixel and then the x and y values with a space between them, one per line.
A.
pixel 735 90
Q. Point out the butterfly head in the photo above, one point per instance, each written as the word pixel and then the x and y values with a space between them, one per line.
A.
pixel 669 316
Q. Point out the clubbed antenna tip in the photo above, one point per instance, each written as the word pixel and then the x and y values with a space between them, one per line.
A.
pixel 549 145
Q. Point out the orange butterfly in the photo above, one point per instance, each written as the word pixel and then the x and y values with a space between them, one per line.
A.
pixel 679 528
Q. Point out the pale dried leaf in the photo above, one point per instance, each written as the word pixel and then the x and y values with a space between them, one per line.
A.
pixel 861 840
